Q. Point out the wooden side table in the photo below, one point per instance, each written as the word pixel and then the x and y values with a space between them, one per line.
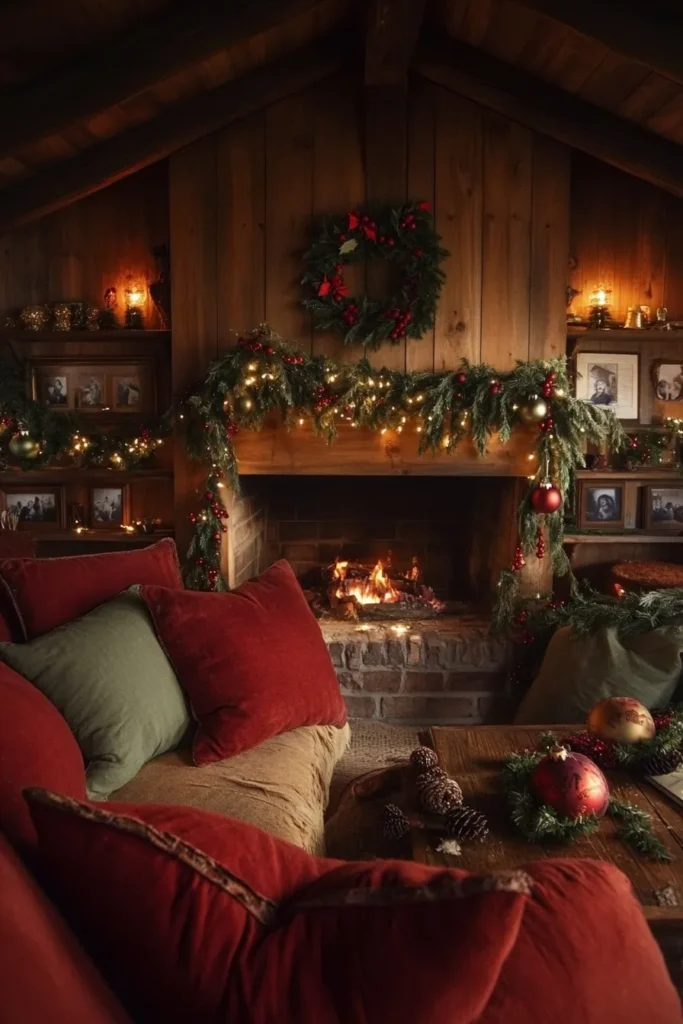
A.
pixel 474 756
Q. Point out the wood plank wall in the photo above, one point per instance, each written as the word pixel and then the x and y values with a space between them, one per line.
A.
pixel 626 235
pixel 501 202
pixel 80 251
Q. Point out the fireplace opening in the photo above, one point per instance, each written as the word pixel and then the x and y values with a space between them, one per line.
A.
pixel 378 548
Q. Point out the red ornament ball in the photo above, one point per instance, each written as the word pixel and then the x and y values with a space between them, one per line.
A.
pixel 570 783
pixel 546 498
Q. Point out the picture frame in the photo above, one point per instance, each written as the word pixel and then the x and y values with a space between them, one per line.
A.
pixel 610 379
pixel 663 506
pixel 108 506
pixel 107 388
pixel 667 380
pixel 40 508
pixel 601 505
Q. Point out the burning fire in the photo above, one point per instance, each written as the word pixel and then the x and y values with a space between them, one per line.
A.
pixel 376 588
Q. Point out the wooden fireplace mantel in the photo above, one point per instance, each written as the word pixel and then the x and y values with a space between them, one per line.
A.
pixel 276 451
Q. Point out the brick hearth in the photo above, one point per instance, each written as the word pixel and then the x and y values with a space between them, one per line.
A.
pixel 447 670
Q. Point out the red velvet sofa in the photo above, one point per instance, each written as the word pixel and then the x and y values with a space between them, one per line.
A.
pixel 587 950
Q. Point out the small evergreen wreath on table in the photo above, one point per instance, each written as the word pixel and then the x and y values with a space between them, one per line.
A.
pixel 404 236
pixel 540 823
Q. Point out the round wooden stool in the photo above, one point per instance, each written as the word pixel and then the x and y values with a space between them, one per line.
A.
pixel 648 575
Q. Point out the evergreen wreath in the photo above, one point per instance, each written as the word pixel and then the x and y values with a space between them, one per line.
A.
pixel 404 236
pixel 540 823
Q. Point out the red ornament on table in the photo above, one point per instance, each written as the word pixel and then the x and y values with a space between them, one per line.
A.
pixel 546 498
pixel 570 783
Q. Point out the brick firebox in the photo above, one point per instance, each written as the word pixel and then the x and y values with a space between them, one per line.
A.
pixel 446 669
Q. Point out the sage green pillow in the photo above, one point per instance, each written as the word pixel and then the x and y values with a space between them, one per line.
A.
pixel 110 678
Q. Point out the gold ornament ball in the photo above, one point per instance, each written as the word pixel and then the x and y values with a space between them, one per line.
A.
pixel 533 411
pixel 621 719
pixel 23 446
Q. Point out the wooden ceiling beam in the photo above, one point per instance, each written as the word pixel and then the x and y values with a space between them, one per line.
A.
pixel 551 111
pixel 634 31
pixel 392 30
pixel 176 127
pixel 117 72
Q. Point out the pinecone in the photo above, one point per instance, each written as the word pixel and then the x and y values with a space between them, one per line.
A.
pixel 441 796
pixel 394 823
pixel 431 775
pixel 423 758
pixel 465 823
pixel 664 762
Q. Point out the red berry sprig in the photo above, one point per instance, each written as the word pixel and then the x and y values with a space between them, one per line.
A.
pixel 599 751
pixel 540 544
pixel 549 385
pixel 519 560
pixel 495 387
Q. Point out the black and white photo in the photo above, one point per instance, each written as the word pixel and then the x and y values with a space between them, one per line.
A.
pixel 91 392
pixel 609 380
pixel 601 505
pixel 56 391
pixel 127 392
pixel 106 506
pixel 41 508
pixel 664 507
pixel 668 381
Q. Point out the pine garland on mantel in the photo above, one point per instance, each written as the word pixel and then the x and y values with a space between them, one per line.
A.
pixel 263 375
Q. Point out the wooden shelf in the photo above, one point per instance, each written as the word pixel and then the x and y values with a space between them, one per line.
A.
pixel 100 537
pixel 629 474
pixel 591 334
pixel 74 473
pixel 121 334
pixel 633 537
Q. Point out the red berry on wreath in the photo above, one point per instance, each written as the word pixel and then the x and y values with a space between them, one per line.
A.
pixel 461 377
pixel 662 720
pixel 418 253
pixel 391 243
pixel 342 238
pixel 200 560
pixel 494 387
pixel 381 239
pixel 209 495
pixel 217 536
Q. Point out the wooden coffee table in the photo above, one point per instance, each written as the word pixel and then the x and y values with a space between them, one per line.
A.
pixel 474 756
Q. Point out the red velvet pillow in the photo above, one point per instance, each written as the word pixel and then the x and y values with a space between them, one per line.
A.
pixel 44 974
pixel 200 917
pixel 253 662
pixel 48 592
pixel 37 748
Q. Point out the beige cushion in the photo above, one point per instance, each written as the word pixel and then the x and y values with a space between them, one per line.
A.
pixel 282 786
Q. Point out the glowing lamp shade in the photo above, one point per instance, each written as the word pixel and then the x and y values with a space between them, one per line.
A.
pixel 599 297
pixel 135 296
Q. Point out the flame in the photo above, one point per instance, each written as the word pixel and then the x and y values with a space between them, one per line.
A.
pixel 377 588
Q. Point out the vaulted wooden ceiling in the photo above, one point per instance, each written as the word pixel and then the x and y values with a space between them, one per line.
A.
pixel 91 91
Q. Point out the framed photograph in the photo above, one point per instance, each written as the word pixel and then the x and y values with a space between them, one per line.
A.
pixel 109 507
pixel 664 507
pixel 601 505
pixel 90 391
pixel 667 379
pixel 127 393
pixel 34 507
pixel 609 379
pixel 106 388
pixel 56 389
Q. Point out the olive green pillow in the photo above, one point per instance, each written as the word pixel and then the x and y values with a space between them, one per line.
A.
pixel 110 678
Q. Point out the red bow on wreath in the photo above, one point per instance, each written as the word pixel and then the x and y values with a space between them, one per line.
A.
pixel 325 287
pixel 367 226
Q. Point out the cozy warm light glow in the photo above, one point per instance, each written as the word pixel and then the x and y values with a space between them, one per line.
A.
pixel 377 588
pixel 135 296
pixel 599 297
